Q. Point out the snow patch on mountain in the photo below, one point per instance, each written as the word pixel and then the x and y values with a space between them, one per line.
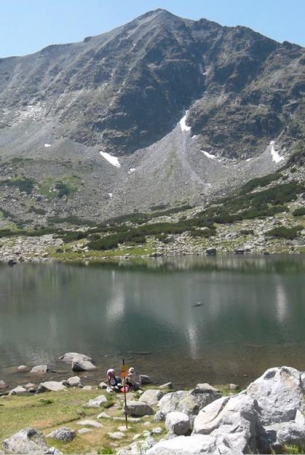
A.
pixel 183 125
pixel 111 159
pixel 275 156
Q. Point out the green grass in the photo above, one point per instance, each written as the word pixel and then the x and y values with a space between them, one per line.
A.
pixel 57 188
pixel 58 409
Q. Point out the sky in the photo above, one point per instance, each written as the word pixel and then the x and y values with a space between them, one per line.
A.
pixel 27 26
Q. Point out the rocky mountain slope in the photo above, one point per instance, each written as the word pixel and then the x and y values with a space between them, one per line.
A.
pixel 161 111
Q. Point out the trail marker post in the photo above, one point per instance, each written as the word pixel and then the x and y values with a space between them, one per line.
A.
pixel 124 374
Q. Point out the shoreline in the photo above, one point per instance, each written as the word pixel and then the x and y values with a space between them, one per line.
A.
pixel 48 248
pixel 265 417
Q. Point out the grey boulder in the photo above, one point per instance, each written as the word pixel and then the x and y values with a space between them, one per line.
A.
pixel 279 393
pixel 292 433
pixel 177 423
pixel 144 379
pixel 138 409
pixel 79 364
pixel 51 386
pixel 69 356
pixel 19 390
pixel 151 396
pixel 96 402
pixel 236 419
pixel 27 440
pixel 62 434
pixel 185 445
pixel 189 403
pixel 39 369
pixel 73 382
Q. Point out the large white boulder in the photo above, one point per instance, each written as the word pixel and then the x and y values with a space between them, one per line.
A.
pixel 51 386
pixel 186 445
pixel 279 393
pixel 69 356
pixel 236 418
pixel 151 396
pixel 189 403
pixel 27 440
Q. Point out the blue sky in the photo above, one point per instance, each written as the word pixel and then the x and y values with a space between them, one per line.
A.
pixel 26 26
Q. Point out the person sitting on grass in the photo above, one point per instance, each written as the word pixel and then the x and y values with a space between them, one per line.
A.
pixel 112 381
pixel 131 380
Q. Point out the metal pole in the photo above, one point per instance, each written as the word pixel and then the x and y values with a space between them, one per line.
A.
pixel 125 400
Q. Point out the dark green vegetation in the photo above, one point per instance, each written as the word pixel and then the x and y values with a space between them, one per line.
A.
pixel 284 232
pixel 23 184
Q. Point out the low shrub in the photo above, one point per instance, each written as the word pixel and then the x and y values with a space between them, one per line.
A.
pixel 299 212
pixel 284 232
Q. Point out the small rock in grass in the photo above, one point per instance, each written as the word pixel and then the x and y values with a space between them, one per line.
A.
pixel 116 435
pixel 90 423
pixel 103 415
pixel 84 430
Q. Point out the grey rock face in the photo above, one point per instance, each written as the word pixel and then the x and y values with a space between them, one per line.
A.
pixel 63 434
pixel 27 440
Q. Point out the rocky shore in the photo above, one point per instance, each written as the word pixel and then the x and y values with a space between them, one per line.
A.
pixel 229 240
pixel 266 417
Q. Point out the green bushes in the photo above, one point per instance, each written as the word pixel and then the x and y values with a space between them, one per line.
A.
pixel 38 211
pixel 299 212
pixel 24 185
pixel 71 219
pixel 72 236
pixel 260 182
pixel 284 232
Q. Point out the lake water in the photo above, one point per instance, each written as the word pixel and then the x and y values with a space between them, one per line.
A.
pixel 185 320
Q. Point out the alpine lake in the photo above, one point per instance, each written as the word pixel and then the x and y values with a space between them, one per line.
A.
pixel 188 319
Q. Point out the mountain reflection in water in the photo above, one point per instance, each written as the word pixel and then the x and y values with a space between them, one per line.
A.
pixel 250 317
